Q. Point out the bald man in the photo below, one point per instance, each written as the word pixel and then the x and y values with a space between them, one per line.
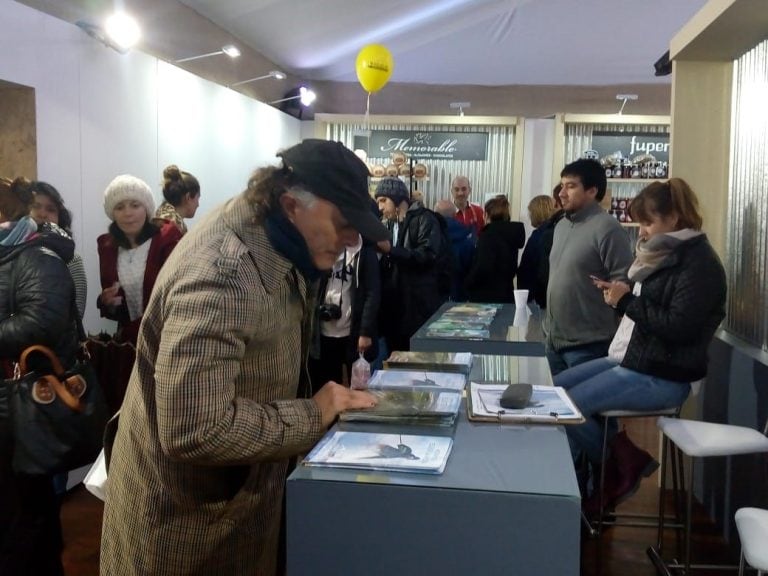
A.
pixel 467 213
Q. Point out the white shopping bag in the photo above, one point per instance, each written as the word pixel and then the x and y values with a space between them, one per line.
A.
pixel 96 479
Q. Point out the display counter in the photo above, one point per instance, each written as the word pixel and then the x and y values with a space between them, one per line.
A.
pixel 513 332
pixel 507 503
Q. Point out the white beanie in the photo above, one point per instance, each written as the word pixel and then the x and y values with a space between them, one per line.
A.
pixel 127 187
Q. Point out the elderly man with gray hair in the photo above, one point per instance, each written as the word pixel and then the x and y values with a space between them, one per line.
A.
pixel 218 401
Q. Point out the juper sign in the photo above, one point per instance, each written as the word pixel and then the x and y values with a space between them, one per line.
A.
pixel 632 144
pixel 430 145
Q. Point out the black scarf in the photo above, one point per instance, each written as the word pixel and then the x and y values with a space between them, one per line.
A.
pixel 287 240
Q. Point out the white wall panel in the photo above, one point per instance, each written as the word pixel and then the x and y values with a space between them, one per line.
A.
pixel 100 113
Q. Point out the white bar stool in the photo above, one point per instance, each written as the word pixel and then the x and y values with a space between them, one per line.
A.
pixel 752 524
pixel 700 440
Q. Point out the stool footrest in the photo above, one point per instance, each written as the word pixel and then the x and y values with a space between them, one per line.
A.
pixel 664 567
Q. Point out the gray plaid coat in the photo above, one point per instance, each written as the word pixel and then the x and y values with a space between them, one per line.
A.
pixel 211 417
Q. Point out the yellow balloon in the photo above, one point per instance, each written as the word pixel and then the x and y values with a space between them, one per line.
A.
pixel 374 66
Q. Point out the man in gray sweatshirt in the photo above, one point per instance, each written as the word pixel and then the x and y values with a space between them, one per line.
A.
pixel 587 242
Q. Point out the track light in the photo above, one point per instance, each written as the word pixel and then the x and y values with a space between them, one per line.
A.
pixel 624 98
pixel 460 106
pixel 662 66
pixel 305 96
pixel 276 74
pixel 121 32
pixel 230 50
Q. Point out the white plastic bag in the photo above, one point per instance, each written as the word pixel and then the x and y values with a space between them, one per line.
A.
pixel 96 479
pixel 361 373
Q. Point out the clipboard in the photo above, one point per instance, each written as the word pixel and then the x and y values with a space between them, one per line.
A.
pixel 548 405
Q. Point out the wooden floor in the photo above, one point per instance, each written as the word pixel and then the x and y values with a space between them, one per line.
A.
pixel 621 549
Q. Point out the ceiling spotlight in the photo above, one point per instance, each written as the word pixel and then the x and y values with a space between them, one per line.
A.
pixel 625 98
pixel 123 30
pixel 121 33
pixel 230 50
pixel 276 74
pixel 305 96
pixel 662 66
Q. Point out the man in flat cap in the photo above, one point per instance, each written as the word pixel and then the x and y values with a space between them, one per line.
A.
pixel 216 404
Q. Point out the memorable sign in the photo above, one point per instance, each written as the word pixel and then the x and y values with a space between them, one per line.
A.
pixel 430 145
pixel 632 144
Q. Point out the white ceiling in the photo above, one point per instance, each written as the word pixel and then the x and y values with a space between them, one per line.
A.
pixel 481 42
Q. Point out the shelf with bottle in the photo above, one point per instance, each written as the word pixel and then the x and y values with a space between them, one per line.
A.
pixel 626 170
pixel 634 180
pixel 403 178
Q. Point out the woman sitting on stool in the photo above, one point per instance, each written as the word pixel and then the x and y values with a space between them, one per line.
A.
pixel 669 319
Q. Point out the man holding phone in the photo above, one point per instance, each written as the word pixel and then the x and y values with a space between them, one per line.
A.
pixel 589 245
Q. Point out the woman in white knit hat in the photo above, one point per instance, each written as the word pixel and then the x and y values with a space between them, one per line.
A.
pixel 131 253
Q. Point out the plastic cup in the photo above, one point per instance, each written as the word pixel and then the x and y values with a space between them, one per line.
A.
pixel 521 298
pixel 521 317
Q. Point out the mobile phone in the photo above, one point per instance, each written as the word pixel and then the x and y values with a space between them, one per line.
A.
pixel 594 278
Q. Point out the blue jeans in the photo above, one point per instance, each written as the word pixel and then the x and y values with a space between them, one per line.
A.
pixel 570 357
pixel 601 385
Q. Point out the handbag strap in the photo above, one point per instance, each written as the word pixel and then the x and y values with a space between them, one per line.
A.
pixel 54 380
pixel 58 369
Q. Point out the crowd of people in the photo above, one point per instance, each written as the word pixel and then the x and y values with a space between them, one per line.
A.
pixel 246 327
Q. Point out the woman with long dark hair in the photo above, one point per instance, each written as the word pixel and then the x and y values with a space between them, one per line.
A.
pixel 48 206
pixel 36 294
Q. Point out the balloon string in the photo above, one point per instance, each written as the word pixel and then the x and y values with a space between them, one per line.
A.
pixel 367 124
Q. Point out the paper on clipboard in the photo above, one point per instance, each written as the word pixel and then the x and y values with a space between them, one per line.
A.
pixel 548 405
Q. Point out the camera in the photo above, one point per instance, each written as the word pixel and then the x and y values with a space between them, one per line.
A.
pixel 329 312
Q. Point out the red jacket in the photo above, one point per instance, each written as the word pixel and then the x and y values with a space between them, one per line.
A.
pixel 162 245
pixel 473 215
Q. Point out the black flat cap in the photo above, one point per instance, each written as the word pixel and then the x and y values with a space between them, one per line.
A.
pixel 331 171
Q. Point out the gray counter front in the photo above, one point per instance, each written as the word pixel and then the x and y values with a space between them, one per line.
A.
pixel 507 503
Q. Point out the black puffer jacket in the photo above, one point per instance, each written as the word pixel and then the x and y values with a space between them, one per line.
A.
pixel 36 297
pixel 679 308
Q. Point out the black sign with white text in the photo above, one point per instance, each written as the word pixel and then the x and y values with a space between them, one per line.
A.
pixel 631 144
pixel 429 145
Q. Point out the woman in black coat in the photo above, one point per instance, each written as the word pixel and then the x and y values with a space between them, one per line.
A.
pixel 36 307
pixel 492 276
pixel 669 319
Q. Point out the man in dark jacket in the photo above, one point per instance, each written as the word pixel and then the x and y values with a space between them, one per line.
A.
pixel 463 240
pixel 411 264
